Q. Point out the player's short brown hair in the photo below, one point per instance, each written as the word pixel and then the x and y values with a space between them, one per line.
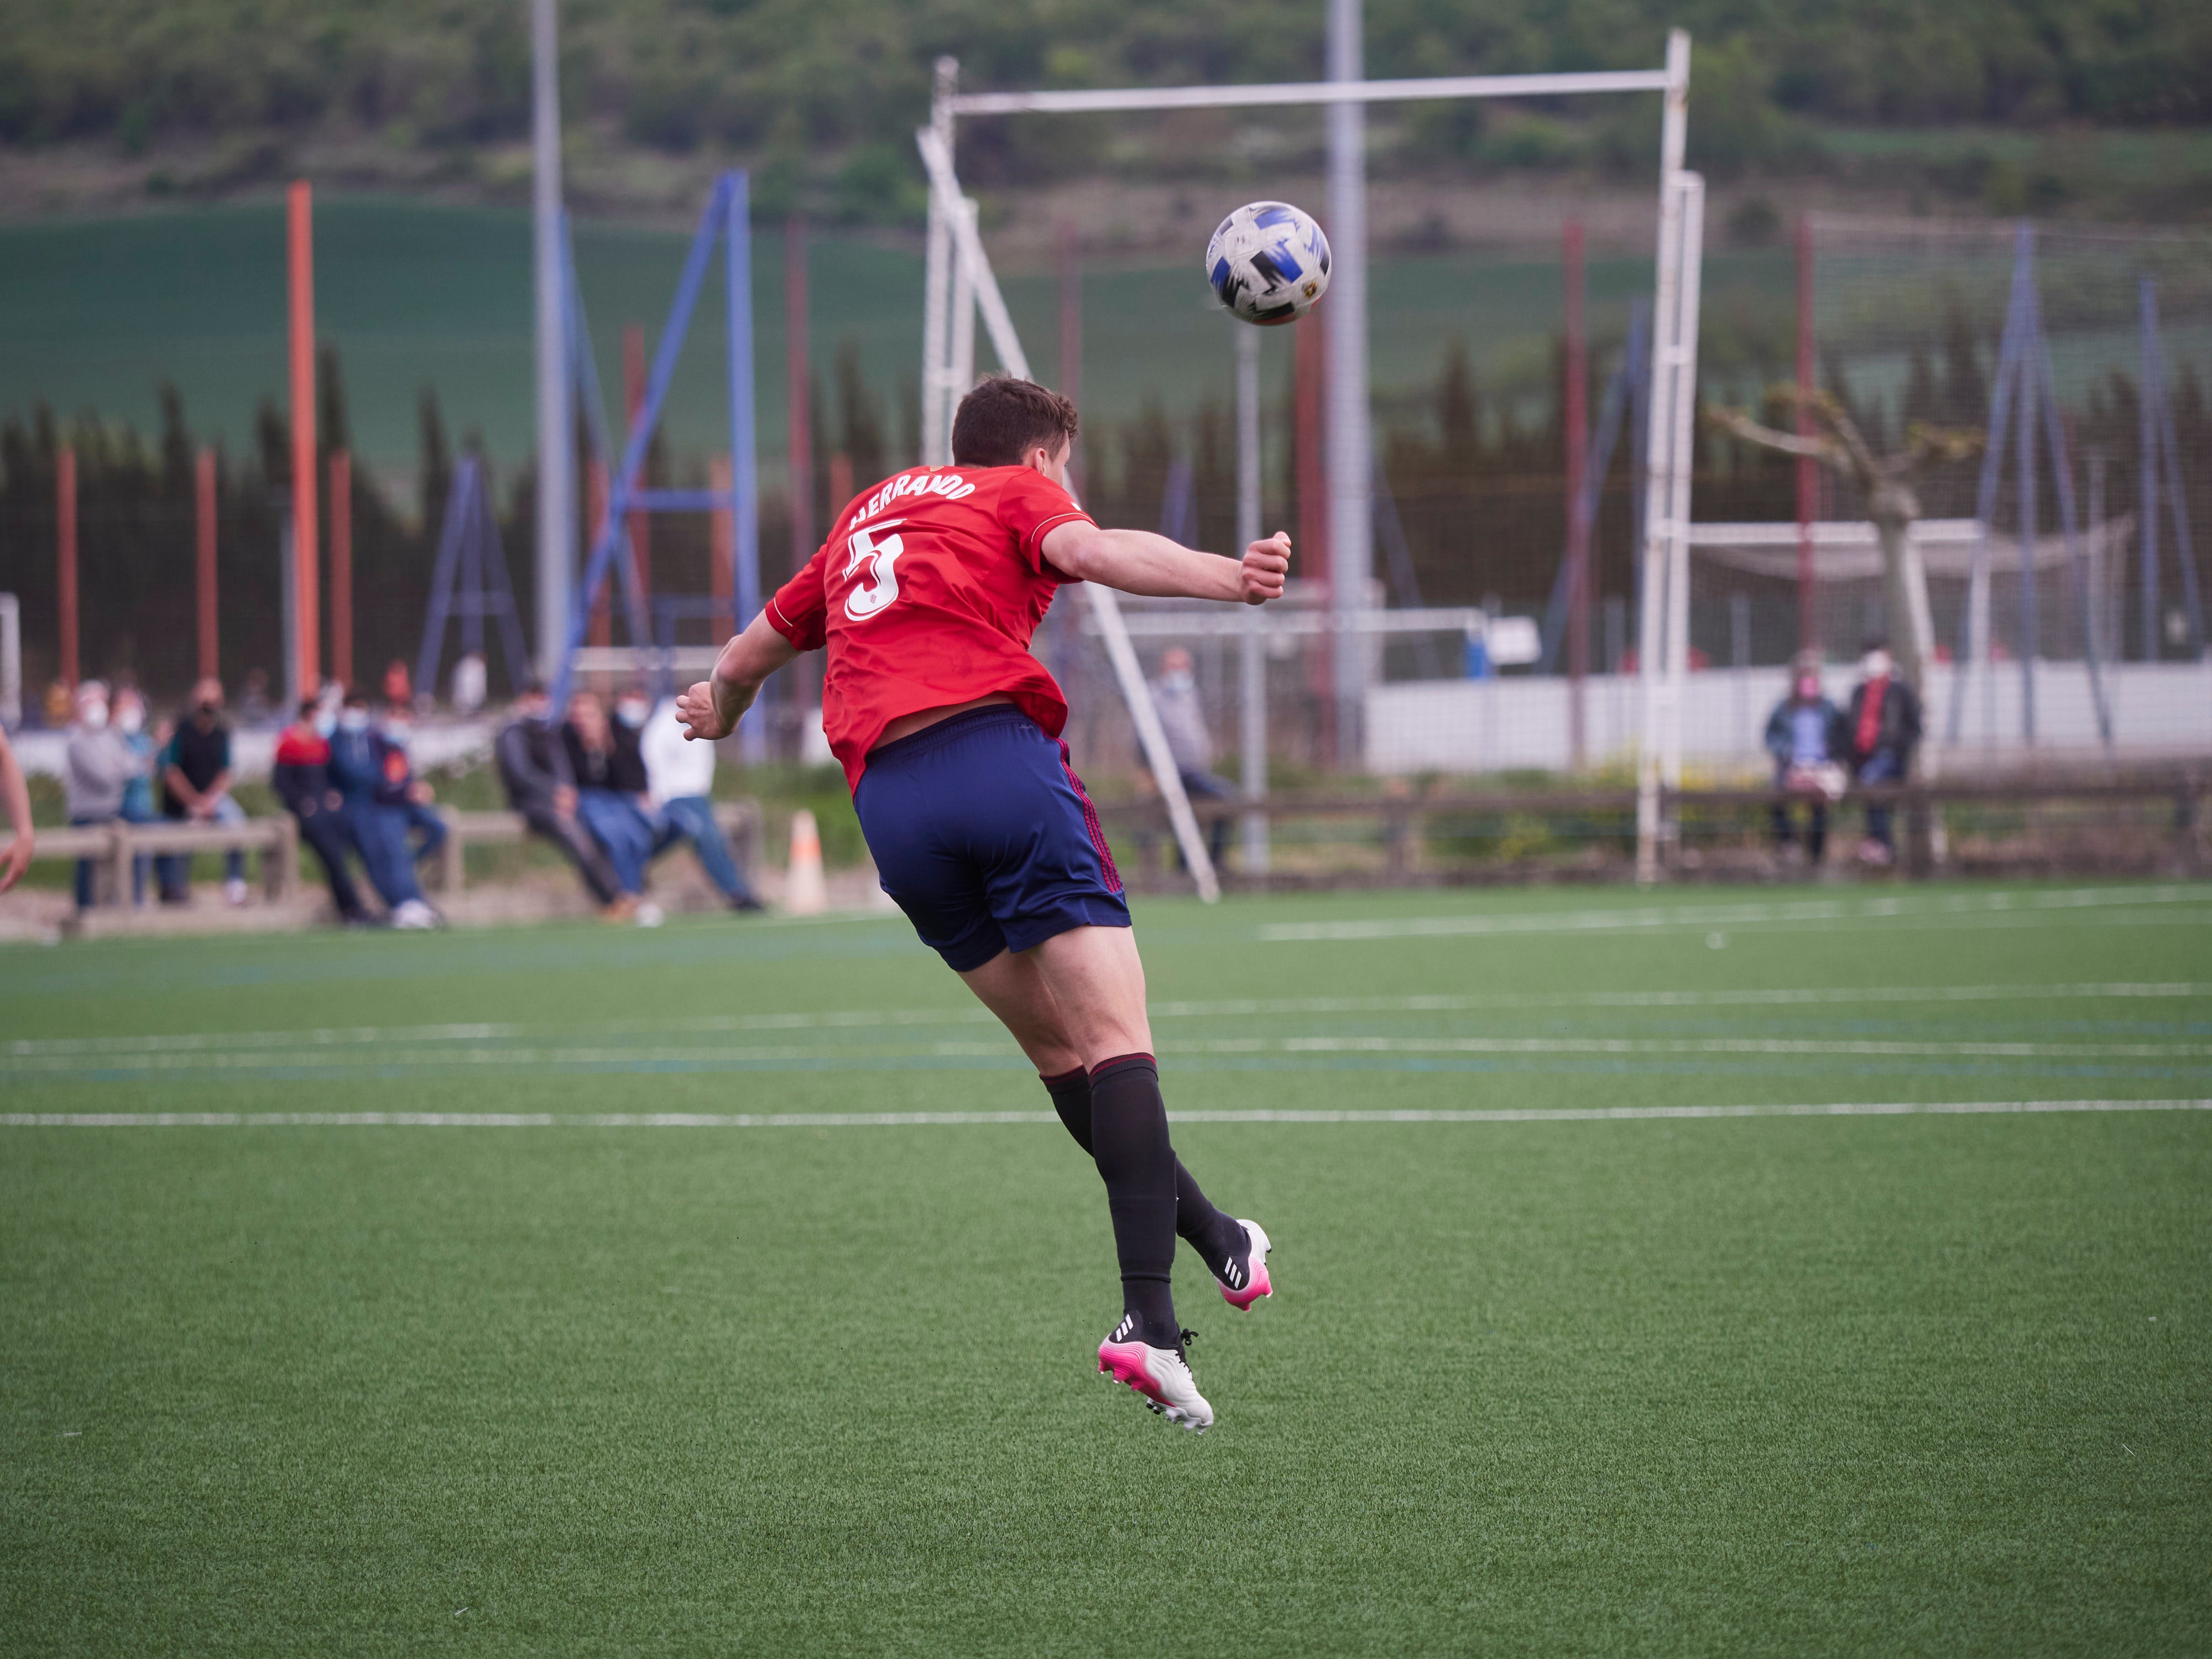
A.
pixel 1004 418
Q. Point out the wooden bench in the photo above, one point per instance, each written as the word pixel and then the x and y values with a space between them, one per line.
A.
pixel 114 846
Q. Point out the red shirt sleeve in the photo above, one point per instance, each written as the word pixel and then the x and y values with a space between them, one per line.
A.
pixel 1030 506
pixel 799 611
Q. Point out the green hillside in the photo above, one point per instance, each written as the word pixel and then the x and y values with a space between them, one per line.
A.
pixel 821 96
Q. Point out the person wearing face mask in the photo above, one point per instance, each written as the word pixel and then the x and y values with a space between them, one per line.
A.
pixel 680 782
pixel 195 779
pixel 1182 720
pixel 1883 724
pixel 610 793
pixel 533 769
pixel 1804 736
pixel 128 715
pixel 362 766
pixel 302 779
pixel 99 769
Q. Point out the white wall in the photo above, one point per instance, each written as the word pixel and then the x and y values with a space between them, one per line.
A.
pixel 2160 711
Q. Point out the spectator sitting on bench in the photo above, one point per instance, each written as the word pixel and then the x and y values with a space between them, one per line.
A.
pixel 610 798
pixel 679 777
pixel 375 779
pixel 128 713
pixel 195 779
pixel 302 779
pixel 533 766
pixel 1883 725
pixel 1805 736
pixel 420 819
pixel 100 769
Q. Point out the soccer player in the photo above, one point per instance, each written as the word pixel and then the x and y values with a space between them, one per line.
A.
pixel 925 597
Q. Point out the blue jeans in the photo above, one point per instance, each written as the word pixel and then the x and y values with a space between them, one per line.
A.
pixel 1883 766
pixel 175 869
pixel 380 832
pixel 622 831
pixel 692 819
pixel 85 872
pixel 417 816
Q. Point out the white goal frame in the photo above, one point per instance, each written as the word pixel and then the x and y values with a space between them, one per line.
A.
pixel 958 284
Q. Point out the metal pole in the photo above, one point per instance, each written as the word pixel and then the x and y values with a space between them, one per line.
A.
pixel 1576 418
pixel 1070 259
pixel 299 271
pixel 557 456
pixel 341 569
pixel 1351 514
pixel 288 575
pixel 204 529
pixel 2024 460
pixel 11 661
pixel 960 367
pixel 798 393
pixel 1666 341
pixel 2147 473
pixel 937 288
pixel 745 479
pixel 1685 434
pixel 1252 647
pixel 65 595
pixel 1808 475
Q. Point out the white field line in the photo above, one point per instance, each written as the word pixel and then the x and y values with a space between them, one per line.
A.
pixel 644 1059
pixel 1953 908
pixel 921 1119
pixel 866 1019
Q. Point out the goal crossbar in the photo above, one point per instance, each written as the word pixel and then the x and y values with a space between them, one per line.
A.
pixel 1279 93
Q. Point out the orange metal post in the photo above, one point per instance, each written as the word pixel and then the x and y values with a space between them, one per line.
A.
pixel 722 577
pixel 65 558
pixel 342 566
pixel 204 551
pixel 299 263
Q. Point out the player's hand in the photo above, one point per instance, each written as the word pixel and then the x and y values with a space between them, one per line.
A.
pixel 15 860
pixel 1265 564
pixel 697 714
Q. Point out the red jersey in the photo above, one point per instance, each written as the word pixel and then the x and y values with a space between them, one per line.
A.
pixel 927 594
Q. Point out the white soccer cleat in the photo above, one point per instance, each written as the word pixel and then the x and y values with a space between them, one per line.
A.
pixel 1244 1279
pixel 1159 1376
pixel 413 915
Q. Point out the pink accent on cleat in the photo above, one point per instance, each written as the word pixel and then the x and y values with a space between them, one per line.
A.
pixel 1160 1376
pixel 1259 1284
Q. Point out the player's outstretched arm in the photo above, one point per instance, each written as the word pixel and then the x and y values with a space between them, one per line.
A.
pixel 712 709
pixel 1138 562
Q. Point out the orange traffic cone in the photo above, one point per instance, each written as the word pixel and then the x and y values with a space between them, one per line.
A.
pixel 804 894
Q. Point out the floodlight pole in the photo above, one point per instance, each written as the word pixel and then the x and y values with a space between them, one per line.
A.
pixel 937 285
pixel 1350 483
pixel 1252 653
pixel 556 441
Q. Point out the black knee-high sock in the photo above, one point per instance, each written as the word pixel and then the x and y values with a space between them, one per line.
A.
pixel 1214 1233
pixel 1129 1143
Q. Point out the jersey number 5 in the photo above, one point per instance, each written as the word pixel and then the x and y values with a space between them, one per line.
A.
pixel 880 589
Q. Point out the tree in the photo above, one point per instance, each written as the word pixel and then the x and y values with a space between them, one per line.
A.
pixel 1893 502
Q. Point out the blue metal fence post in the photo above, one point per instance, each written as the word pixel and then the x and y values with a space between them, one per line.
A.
pixel 745 511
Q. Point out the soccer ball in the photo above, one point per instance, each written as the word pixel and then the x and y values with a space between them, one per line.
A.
pixel 1268 263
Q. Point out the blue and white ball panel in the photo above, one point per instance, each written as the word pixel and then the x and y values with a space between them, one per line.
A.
pixel 1268 263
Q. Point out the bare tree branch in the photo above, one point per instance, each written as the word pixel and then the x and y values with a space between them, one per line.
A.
pixel 1739 424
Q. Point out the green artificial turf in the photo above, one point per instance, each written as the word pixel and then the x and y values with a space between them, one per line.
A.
pixel 1928 1383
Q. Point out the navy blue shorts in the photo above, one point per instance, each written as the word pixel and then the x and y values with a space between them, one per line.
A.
pixel 982 834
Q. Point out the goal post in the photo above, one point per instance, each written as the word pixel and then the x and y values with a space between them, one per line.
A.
pixel 958 283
